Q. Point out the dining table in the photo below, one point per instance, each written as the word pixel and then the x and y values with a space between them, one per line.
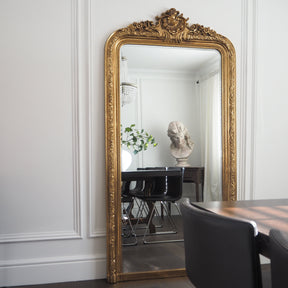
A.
pixel 266 213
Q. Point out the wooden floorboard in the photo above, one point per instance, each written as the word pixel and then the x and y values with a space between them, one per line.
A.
pixel 179 282
pixel 150 257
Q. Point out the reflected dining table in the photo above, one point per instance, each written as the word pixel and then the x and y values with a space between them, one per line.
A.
pixel 193 175
pixel 267 214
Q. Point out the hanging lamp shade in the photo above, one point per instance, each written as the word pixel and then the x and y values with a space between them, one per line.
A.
pixel 128 90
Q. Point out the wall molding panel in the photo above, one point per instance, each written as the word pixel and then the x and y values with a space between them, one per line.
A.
pixel 76 232
pixel 243 99
pixel 246 151
pixel 91 31
pixel 41 236
pixel 94 231
pixel 253 95
pixel 75 117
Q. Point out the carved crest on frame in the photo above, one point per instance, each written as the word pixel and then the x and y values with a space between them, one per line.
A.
pixel 172 27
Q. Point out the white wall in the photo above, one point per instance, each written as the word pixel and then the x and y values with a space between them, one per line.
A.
pixel 52 168
pixel 271 133
pixel 48 232
pixel 154 88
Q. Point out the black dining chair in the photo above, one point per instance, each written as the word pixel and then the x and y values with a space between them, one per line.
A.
pixel 166 190
pixel 279 258
pixel 127 203
pixel 219 251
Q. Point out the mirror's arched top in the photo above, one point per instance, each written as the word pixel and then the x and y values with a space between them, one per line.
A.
pixel 169 29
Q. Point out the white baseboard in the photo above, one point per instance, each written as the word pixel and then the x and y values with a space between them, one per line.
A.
pixel 52 270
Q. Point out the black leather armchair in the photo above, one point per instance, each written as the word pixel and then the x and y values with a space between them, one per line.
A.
pixel 279 258
pixel 219 251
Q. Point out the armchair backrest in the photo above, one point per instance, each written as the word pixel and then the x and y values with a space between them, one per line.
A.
pixel 219 251
pixel 279 258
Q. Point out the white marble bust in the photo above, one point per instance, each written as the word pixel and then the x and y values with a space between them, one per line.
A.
pixel 181 144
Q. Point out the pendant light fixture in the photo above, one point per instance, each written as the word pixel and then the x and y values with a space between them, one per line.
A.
pixel 128 90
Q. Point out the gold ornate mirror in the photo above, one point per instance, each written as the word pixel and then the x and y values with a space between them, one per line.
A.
pixel 172 30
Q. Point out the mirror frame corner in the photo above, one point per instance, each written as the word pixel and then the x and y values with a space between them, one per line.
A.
pixel 179 34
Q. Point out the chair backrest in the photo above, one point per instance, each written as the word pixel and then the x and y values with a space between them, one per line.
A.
pixel 164 181
pixel 158 183
pixel 279 258
pixel 169 186
pixel 125 196
pixel 175 183
pixel 219 251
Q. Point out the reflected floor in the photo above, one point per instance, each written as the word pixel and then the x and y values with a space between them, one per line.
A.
pixel 151 257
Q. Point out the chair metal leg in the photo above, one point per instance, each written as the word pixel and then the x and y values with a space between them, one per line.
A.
pixel 127 227
pixel 172 223
pixel 143 216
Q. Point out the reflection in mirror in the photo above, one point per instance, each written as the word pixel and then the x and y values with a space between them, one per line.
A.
pixel 180 88
pixel 176 84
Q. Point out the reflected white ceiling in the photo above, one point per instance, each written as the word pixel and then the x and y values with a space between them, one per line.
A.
pixel 168 58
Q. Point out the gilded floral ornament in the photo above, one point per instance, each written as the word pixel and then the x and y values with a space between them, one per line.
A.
pixel 172 27
pixel 172 21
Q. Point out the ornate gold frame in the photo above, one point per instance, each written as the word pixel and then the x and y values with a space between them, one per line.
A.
pixel 170 29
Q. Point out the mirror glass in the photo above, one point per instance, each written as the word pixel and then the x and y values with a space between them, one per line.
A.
pixel 170 84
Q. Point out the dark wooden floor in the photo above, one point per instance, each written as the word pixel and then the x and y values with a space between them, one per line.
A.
pixel 162 256
pixel 180 282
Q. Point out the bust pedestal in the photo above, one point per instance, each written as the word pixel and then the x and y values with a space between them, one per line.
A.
pixel 182 162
